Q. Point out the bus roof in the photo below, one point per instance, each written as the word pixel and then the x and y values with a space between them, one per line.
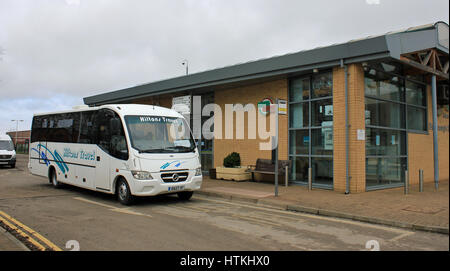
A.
pixel 123 109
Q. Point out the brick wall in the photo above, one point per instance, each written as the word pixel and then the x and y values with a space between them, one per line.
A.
pixel 357 148
pixel 356 113
pixel 339 161
pixel 22 136
pixel 249 148
pixel 420 147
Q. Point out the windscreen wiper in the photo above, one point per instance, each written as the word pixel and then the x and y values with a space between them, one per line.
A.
pixel 184 148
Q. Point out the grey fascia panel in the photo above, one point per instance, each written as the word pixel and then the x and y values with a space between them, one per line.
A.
pixel 259 68
pixel 408 42
pixel 273 74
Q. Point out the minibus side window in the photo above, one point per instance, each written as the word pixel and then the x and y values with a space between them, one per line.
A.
pixel 63 127
pixel 37 131
pixel 87 128
pixel 111 135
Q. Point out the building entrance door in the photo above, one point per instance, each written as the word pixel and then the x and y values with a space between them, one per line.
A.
pixel 205 146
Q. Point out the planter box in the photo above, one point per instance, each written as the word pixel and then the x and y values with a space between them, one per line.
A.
pixel 235 174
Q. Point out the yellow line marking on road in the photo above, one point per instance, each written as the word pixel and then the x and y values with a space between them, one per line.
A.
pixel 338 220
pixel 21 233
pixel 11 222
pixel 113 208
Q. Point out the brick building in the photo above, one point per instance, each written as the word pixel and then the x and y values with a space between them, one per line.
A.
pixel 22 137
pixel 358 114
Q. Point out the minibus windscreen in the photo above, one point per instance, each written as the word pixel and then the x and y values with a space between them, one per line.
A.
pixel 158 134
pixel 6 145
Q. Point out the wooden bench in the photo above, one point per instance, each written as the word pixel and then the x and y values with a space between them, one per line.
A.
pixel 265 166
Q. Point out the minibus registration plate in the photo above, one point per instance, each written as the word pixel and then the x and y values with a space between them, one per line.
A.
pixel 176 188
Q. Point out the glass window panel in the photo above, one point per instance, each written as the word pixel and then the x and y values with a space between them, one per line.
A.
pixel 417 119
pixel 322 85
pixel 60 128
pixel 299 171
pixel 299 115
pixel 322 141
pixel 383 85
pixel 322 113
pixel 322 170
pixel 299 90
pixel 415 93
pixel 385 142
pixel 87 130
pixel 38 131
pixel 299 142
pixel 383 171
pixel 385 114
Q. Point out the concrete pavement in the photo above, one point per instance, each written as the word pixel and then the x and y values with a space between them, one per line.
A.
pixel 9 242
pixel 427 211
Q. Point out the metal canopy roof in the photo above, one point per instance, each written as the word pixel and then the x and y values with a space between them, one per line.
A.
pixel 389 45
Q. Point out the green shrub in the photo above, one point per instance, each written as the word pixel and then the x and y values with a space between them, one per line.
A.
pixel 232 160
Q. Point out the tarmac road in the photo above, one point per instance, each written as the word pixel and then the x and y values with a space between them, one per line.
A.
pixel 97 221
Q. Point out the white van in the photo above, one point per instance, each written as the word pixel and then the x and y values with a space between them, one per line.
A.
pixel 7 152
pixel 125 149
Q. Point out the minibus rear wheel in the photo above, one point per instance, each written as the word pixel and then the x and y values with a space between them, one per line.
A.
pixel 53 178
pixel 186 195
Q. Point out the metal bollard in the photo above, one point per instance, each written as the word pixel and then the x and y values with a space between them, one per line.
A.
pixel 286 173
pixel 310 179
pixel 406 182
pixel 421 180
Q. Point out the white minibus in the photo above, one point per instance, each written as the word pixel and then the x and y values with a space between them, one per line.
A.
pixel 125 149
pixel 7 151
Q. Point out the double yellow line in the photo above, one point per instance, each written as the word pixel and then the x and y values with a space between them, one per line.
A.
pixel 37 240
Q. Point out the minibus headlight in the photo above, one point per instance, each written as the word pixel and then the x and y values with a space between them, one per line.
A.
pixel 198 171
pixel 141 175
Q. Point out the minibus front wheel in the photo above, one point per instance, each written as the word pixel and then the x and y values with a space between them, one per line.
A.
pixel 123 192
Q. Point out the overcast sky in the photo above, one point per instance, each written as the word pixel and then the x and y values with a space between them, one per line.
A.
pixel 55 52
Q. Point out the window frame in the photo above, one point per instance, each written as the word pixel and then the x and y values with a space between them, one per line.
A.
pixel 404 105
pixel 400 102
pixel 311 99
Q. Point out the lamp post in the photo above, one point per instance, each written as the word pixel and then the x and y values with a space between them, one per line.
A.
pixel 17 128
pixel 186 63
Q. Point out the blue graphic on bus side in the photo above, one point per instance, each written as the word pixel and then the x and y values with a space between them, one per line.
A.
pixel 56 158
